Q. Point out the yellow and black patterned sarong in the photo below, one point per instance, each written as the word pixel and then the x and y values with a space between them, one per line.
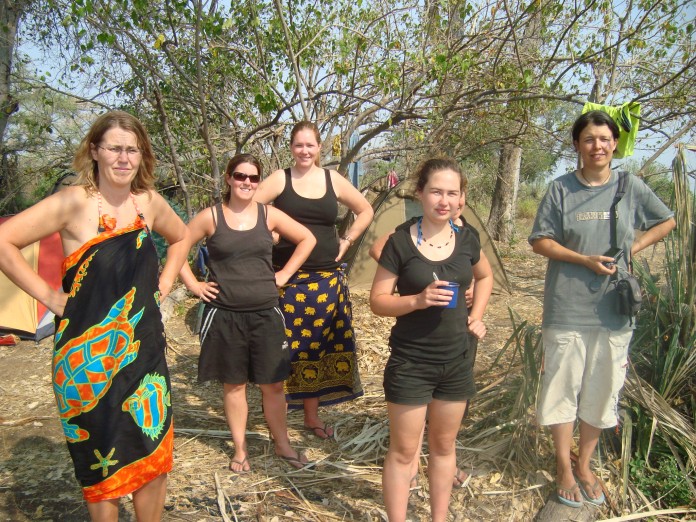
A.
pixel 318 322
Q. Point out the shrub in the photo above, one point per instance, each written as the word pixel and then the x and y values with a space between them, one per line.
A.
pixel 664 481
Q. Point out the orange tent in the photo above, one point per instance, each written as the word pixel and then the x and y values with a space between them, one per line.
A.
pixel 21 313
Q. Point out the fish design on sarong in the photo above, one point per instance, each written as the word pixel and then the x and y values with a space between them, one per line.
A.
pixel 148 405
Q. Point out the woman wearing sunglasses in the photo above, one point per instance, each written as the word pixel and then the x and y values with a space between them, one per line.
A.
pixel 243 334
pixel 315 301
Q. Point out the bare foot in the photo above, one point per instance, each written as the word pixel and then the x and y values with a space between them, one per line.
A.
pixel 567 489
pixel 590 487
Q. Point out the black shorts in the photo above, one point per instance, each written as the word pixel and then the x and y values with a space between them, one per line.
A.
pixel 411 382
pixel 240 347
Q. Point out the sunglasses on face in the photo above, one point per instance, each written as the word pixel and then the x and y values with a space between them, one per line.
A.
pixel 240 176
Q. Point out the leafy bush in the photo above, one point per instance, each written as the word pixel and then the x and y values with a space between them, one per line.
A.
pixel 664 481
pixel 527 208
pixel 661 386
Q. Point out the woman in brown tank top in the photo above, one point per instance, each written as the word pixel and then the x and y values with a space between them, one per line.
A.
pixel 243 335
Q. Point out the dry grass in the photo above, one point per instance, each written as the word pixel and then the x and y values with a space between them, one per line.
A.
pixel 344 483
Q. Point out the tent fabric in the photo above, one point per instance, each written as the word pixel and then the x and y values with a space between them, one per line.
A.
pixel 394 206
pixel 21 313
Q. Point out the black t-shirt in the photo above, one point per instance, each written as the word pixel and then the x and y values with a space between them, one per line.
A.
pixel 407 225
pixel 434 334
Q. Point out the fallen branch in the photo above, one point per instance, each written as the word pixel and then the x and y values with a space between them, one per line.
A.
pixel 222 501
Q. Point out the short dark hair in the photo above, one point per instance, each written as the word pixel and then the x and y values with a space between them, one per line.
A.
pixel 432 165
pixel 234 162
pixel 597 118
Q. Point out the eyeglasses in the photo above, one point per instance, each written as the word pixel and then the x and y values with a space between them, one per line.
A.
pixel 240 176
pixel 117 151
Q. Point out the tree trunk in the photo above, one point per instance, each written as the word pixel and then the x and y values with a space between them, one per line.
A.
pixel 502 217
pixel 204 128
pixel 170 141
pixel 10 13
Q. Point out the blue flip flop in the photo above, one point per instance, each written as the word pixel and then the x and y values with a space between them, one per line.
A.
pixel 596 501
pixel 566 501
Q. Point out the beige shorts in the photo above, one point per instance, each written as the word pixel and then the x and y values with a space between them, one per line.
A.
pixel 584 371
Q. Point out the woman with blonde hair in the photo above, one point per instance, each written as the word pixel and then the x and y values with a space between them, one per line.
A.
pixel 110 374
pixel 315 299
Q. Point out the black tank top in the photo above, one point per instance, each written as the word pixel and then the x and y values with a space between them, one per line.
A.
pixel 319 216
pixel 240 263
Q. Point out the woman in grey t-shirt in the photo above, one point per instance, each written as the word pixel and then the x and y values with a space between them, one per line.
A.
pixel 585 338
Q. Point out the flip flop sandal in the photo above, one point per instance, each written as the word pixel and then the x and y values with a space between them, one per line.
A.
pixel 566 501
pixel 295 462
pixel 596 501
pixel 323 430
pixel 460 482
pixel 242 471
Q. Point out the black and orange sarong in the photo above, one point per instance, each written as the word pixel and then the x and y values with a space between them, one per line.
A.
pixel 318 322
pixel 110 375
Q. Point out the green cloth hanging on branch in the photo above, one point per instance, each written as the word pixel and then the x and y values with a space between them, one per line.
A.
pixel 627 117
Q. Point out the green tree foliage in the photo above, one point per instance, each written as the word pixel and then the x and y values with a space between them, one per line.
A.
pixel 211 79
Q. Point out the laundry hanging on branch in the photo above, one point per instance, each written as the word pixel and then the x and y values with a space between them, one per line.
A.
pixel 627 117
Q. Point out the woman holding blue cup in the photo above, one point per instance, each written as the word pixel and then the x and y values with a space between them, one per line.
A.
pixel 430 368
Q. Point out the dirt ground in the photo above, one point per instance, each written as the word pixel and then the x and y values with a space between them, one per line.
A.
pixel 37 480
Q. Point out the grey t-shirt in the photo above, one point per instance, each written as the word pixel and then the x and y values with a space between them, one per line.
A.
pixel 577 217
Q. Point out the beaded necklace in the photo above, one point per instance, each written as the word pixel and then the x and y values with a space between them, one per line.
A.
pixel 108 223
pixel 420 238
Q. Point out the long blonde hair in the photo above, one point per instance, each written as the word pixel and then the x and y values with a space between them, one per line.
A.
pixel 87 168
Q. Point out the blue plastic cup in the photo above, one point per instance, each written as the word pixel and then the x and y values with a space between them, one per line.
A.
pixel 454 287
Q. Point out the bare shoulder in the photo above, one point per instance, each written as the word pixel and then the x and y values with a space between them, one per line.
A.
pixel 76 196
pixel 276 179
pixel 275 215
pixel 347 194
pixel 150 202
pixel 65 206
pixel 337 177
pixel 66 212
pixel 340 183
pixel 270 187
pixel 152 206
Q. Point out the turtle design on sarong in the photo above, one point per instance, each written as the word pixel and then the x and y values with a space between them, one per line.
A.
pixel 85 366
